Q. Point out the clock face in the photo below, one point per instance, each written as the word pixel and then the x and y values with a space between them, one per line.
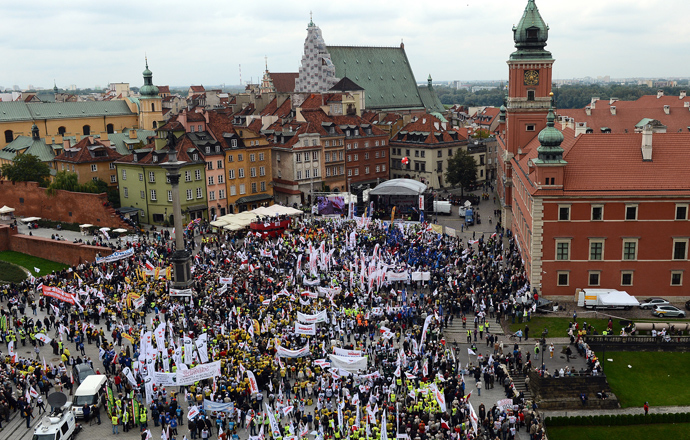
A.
pixel 531 77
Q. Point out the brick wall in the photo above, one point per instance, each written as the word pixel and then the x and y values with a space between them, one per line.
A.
pixel 61 251
pixel 29 200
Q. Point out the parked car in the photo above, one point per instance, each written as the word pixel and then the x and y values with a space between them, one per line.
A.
pixel 81 372
pixel 650 303
pixel 668 311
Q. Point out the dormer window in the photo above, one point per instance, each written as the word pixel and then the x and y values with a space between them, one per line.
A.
pixel 532 34
pixel 196 156
pixel 208 150
pixel 233 143
pixel 155 158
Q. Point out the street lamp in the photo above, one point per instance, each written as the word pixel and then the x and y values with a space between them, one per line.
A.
pixel 181 258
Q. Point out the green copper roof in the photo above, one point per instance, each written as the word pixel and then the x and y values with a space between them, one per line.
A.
pixel 148 90
pixel 383 72
pixel 530 35
pixel 28 145
pixel 550 140
pixel 430 99
pixel 122 141
pixel 32 111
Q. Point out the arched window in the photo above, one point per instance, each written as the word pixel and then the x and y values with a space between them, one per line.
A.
pixel 110 128
pixel 155 125
pixel 153 106
pixel 86 130
pixel 62 131
pixel 9 136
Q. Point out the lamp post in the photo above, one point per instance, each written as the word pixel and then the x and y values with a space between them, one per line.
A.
pixel 181 258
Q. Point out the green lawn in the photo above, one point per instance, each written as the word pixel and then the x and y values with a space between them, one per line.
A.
pixel 660 378
pixel 558 327
pixel 11 273
pixel 637 432
pixel 29 262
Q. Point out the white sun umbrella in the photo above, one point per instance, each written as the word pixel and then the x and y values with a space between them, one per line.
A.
pixel 104 229
pixel 6 210
pixel 86 225
pixel 120 230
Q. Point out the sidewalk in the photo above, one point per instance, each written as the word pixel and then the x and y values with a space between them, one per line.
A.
pixel 604 412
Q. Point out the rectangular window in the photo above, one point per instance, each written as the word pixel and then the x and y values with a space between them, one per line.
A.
pixel 564 213
pixel 349 146
pixel 676 278
pixel 597 212
pixel 349 173
pixel 356 157
pixel 253 187
pixel 596 250
pixel 142 194
pixel 357 171
pixel 113 178
pixel 212 195
pixel 240 173
pixel 630 249
pixel 366 156
pixel 141 177
pixel 190 194
pixel 219 164
pixel 315 173
pixel 124 174
pixel 298 157
pixel 422 153
pixel 450 152
pixel 680 248
pixel 262 171
pixel 328 155
pixel 328 171
pixel 221 194
pixel 383 143
pixel 530 127
pixel 626 278
pixel 307 157
pixel 563 278
pixel 187 176
pixel 307 173
pixel 242 189
pixel 681 212
pixel 230 158
pixel 299 175
pixel 233 190
pixel 383 168
pixel 112 165
pixel 252 157
pixel 416 153
pixel 209 165
pixel 314 155
pixel 594 277
pixel 231 174
pixel 153 195
pixel 366 170
pixel 210 180
pixel 240 157
pixel 563 250
pixel 126 192
pixel 152 177
pixel 221 178
pixel 439 153
pixel 263 186
pixel 170 196
pixel 356 145
pixel 383 154
pixel 197 174
pixel 341 170
pixel 252 171
pixel 94 167
pixel 199 193
pixel 378 168
pixel 631 212
pixel 261 156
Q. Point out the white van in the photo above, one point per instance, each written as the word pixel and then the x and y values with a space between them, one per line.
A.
pixel 90 392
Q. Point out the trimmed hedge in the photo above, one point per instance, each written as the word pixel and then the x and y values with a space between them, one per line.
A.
pixel 618 419
pixel 43 223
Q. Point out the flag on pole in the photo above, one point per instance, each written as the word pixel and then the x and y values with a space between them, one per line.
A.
pixel 37 269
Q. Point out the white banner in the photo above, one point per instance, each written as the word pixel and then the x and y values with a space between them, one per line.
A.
pixel 347 353
pixel 450 231
pixel 311 319
pixel 225 280
pixel 202 347
pixel 284 352
pixel 253 386
pixel 43 338
pixel 348 363
pixel 440 398
pixel 402 276
pixel 116 256
pixel 201 372
pixel 188 349
pixel 178 292
pixel 165 379
pixel 307 282
pixel 305 329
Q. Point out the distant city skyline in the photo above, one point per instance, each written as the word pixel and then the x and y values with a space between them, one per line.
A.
pixel 87 44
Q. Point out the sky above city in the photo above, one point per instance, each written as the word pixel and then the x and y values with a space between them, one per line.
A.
pixel 89 43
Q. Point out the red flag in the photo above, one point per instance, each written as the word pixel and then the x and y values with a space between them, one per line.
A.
pixel 444 424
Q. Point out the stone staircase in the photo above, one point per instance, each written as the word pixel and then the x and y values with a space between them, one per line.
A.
pixel 455 331
pixel 521 386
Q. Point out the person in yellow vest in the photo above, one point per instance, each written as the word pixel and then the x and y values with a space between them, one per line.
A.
pixel 115 421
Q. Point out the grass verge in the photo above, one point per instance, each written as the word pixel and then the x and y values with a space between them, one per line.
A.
pixel 30 262
pixel 654 377
pixel 637 432
pixel 11 273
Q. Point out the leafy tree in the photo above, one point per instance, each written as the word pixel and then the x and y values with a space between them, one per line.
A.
pixel 64 180
pixel 462 170
pixel 27 168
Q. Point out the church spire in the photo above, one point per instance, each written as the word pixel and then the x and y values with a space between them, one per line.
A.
pixel 530 35
pixel 550 140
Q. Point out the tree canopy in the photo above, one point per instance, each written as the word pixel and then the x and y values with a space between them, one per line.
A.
pixel 26 168
pixel 462 170
pixel 69 181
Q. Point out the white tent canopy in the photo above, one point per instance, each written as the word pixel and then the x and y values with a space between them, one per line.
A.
pixel 86 225
pixel 399 187
pixel 31 219
pixel 6 210
pixel 120 230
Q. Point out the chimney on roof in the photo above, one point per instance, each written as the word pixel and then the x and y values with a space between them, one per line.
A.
pixel 659 94
pixel 580 128
pixel 667 109
pixel 588 111
pixel 132 133
pixel 593 104
pixel 682 95
pixel 613 109
pixel 647 143
pixel 612 100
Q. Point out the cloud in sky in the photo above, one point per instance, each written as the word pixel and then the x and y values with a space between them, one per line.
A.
pixel 93 43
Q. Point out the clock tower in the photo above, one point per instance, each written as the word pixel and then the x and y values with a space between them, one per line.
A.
pixel 529 83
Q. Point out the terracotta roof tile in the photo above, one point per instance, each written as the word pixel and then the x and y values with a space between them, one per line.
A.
pixel 284 82
pixel 89 151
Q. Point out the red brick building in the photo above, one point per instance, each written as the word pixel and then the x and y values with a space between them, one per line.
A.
pixel 605 210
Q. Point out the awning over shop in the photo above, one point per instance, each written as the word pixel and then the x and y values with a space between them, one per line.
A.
pixel 254 198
